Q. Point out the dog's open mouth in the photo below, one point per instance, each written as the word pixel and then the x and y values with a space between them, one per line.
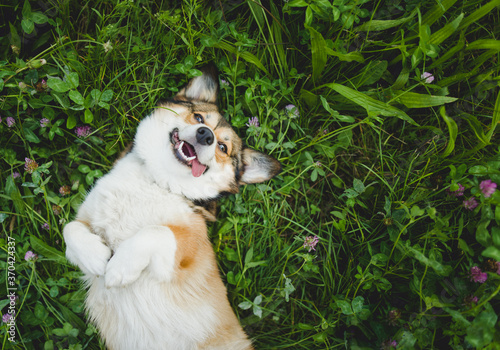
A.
pixel 186 154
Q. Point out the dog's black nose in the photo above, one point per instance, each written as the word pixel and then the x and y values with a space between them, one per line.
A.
pixel 204 136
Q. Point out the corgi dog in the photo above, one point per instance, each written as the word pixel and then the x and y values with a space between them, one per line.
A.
pixel 140 236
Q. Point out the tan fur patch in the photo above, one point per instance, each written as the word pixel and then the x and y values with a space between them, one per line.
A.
pixel 196 263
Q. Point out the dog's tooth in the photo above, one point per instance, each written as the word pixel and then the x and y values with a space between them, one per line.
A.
pixel 180 151
pixel 190 158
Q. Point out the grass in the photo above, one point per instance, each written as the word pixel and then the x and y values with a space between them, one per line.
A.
pixel 377 161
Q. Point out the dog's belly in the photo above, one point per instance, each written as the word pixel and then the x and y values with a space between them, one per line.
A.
pixel 117 211
pixel 150 315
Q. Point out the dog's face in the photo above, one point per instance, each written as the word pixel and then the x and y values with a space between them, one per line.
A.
pixel 188 147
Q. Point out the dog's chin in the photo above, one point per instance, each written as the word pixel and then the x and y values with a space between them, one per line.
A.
pixel 186 154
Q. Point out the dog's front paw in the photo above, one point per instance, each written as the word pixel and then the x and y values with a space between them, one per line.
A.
pixel 124 267
pixel 85 249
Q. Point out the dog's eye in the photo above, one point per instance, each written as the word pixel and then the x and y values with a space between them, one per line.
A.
pixel 223 147
pixel 198 117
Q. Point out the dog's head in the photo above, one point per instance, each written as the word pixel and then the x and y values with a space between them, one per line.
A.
pixel 188 147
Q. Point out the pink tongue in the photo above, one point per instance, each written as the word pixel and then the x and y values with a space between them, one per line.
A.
pixel 197 168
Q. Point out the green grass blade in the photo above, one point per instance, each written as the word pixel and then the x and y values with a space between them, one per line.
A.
pixel 437 11
pixel 477 128
pixel 452 130
pixel 495 118
pixel 347 57
pixel 443 33
pixel 47 251
pixel 377 25
pixel 247 56
pixel 372 106
pixel 414 100
pixel 402 79
pixel 449 53
pixel 479 13
pixel 484 44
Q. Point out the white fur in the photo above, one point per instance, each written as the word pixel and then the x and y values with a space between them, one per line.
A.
pixel 153 247
pixel 134 298
pixel 85 249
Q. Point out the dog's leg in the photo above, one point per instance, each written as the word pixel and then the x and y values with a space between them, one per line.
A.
pixel 85 249
pixel 153 247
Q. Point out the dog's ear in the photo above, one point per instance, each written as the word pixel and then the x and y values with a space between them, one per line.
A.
pixel 258 167
pixel 202 88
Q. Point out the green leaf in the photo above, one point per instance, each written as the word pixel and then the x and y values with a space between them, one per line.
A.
pixel 371 73
pixel 309 17
pixel 247 56
pixel 71 121
pixel 379 259
pixel 495 232
pixel 377 25
pixel 103 104
pixel 457 316
pixel 443 33
pixel 358 186
pixel 30 135
pixel 39 18
pixel 318 52
pixel 73 80
pixel 26 12
pixel 230 278
pixel 437 11
pixel 482 330
pixel 465 247
pixel 257 311
pixel 255 263
pixel 27 25
pixel 245 305
pixel 231 254
pixel 484 44
pixel 58 85
pixel 47 251
pixel 452 130
pixel 414 100
pixel 477 127
pixel 76 97
pixel 357 304
pixel 49 345
pixel 482 234
pixel 333 113
pixel 107 95
pixel 54 291
pixel 346 57
pixel 416 211
pixel 478 14
pixel 40 312
pixel 345 307
pixel 492 252
pixel 249 256
pixel 372 106
pixel 88 116
pixel 495 118
pixel 297 3
pixel 96 94
pixel 442 270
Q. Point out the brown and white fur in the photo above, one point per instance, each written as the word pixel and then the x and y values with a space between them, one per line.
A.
pixel 140 236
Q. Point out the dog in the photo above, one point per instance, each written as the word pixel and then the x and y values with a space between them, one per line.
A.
pixel 140 236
